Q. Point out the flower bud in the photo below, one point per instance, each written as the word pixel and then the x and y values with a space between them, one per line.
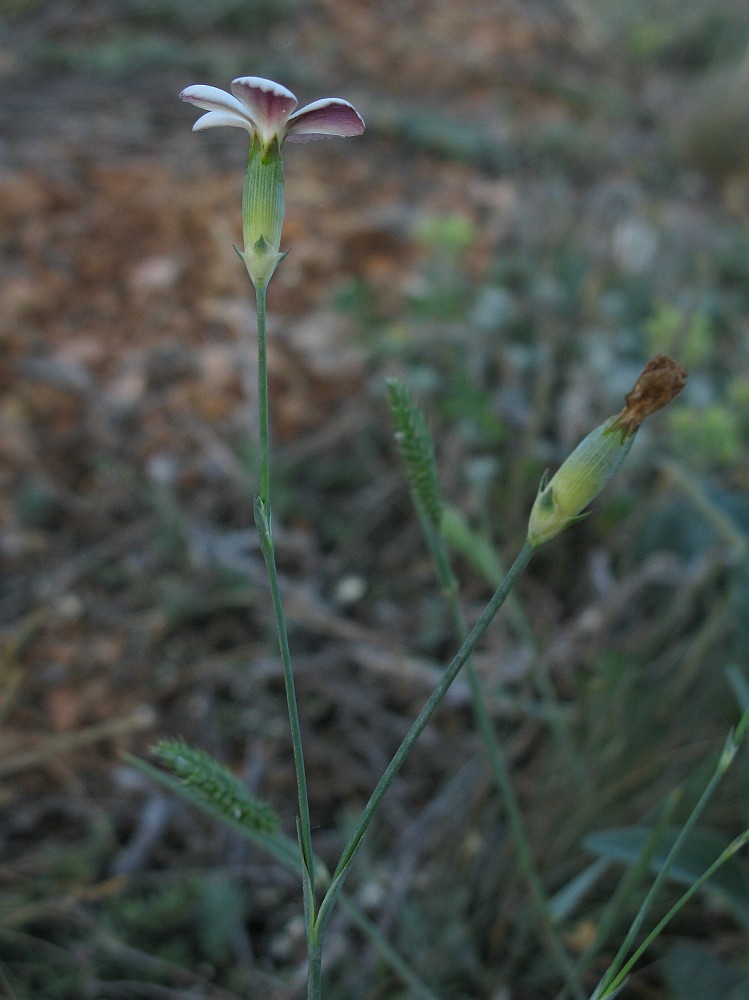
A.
pixel 597 458
pixel 263 210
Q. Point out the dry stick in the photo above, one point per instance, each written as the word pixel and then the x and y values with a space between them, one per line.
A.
pixel 141 718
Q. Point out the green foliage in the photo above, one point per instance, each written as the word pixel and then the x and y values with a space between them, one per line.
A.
pixel 161 915
pixel 443 293
pixel 432 336
pixel 471 545
pixel 453 138
pixel 693 42
pixel 681 34
pixel 120 50
pixel 219 15
pixel 702 847
pixel 693 972
pixel 220 791
pixel 164 931
pixel 689 337
pixel 37 505
pixel 222 904
pixel 471 407
pixel 32 972
pixel 710 437
pixel 154 33
pixel 452 234
pixel 642 691
pixel 15 10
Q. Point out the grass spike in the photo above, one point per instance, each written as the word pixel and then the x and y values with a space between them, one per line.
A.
pixel 417 448
pixel 219 789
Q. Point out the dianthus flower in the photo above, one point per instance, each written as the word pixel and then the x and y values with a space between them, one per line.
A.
pixel 267 111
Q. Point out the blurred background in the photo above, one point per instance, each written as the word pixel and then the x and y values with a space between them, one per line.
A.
pixel 547 194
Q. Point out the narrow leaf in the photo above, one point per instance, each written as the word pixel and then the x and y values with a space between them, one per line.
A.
pixel 701 848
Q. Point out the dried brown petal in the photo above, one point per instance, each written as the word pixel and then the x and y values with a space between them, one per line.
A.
pixel 660 381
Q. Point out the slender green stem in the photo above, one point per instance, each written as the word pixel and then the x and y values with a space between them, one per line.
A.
pixel 519 836
pixel 631 879
pixel 286 851
pixel 733 848
pixel 263 521
pixel 314 967
pixel 262 395
pixel 452 671
pixel 613 976
pixel 441 558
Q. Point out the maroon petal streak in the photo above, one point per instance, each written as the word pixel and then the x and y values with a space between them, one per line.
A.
pixel 330 116
pixel 268 103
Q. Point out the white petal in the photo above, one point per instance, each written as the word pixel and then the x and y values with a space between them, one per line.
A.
pixel 216 118
pixel 213 99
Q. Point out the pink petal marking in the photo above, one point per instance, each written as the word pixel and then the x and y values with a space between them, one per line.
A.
pixel 267 103
pixel 330 116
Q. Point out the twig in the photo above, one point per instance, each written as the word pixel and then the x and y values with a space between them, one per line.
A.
pixel 142 717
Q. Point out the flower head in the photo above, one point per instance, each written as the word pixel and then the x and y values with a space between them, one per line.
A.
pixel 597 458
pixel 266 109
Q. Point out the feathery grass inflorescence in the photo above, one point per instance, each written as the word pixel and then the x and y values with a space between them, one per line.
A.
pixel 215 786
pixel 417 449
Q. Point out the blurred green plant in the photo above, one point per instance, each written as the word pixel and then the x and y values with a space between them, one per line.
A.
pixel 14 10
pixel 710 437
pixel 147 34
pixel 671 330
pixel 196 17
pixel 713 434
pixel 729 884
pixel 693 972
pixel 120 49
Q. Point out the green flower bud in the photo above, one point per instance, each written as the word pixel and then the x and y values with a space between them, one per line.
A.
pixel 581 478
pixel 597 458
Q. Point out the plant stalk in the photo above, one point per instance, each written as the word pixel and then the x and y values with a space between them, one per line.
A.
pixel 314 967
pixel 451 672
pixel 262 395
pixel 263 521
pixel 443 566
pixel 617 971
